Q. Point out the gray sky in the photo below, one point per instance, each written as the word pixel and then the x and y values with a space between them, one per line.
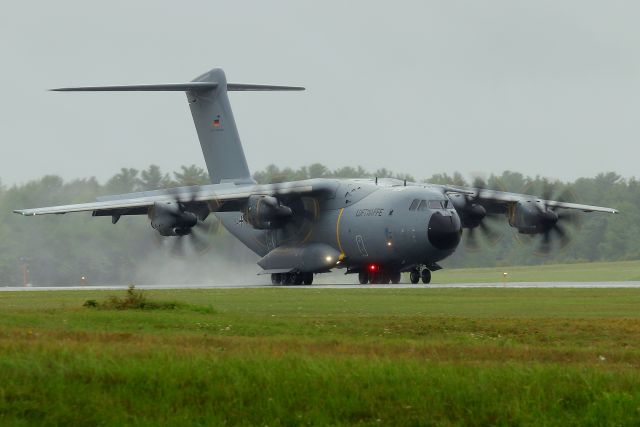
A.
pixel 541 87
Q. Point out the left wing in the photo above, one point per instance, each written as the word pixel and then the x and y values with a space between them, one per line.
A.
pixel 500 199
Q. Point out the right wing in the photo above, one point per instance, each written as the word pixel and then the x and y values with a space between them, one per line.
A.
pixel 218 198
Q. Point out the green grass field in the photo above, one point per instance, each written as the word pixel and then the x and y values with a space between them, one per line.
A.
pixel 579 272
pixel 299 356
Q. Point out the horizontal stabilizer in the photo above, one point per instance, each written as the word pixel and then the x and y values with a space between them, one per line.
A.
pixel 176 87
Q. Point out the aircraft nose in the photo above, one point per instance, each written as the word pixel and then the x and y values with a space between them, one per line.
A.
pixel 444 231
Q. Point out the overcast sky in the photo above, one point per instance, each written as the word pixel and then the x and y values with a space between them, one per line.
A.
pixel 541 87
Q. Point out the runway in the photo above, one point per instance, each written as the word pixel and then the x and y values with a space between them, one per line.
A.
pixel 509 285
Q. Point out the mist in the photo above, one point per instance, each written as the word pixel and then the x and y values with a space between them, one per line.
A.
pixel 420 87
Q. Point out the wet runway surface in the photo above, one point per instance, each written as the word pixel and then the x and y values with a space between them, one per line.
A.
pixel 516 285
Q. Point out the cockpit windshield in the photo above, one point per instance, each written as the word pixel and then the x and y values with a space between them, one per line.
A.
pixel 439 204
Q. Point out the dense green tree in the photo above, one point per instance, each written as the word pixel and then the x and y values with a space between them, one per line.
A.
pixel 191 175
pixel 125 181
pixel 152 178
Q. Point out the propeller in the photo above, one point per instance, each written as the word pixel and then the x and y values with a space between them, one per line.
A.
pixel 554 224
pixel 195 236
pixel 479 218
pixel 197 241
pixel 486 231
pixel 306 211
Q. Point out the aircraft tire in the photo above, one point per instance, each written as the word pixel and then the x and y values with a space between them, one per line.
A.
pixel 287 279
pixel 414 277
pixel 363 277
pixel 426 276
pixel 395 277
pixel 276 279
pixel 298 279
pixel 307 278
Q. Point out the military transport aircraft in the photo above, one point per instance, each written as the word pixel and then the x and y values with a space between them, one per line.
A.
pixel 376 228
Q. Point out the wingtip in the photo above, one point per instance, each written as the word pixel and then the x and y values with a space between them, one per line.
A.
pixel 24 212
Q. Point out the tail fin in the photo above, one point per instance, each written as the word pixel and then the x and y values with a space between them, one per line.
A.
pixel 213 118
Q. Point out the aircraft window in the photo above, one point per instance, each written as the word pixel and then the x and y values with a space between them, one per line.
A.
pixel 439 204
pixel 423 205
pixel 414 205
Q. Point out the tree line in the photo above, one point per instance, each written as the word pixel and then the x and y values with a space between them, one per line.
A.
pixel 60 249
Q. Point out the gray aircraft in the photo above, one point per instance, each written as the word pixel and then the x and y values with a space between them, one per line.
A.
pixel 376 228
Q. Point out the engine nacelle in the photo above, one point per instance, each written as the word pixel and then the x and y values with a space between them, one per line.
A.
pixel 170 219
pixel 532 217
pixel 471 214
pixel 266 212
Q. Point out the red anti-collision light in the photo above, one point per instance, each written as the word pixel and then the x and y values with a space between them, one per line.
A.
pixel 373 267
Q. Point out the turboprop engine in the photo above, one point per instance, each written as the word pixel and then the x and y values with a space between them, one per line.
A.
pixel 537 217
pixel 533 217
pixel 471 213
pixel 266 212
pixel 171 219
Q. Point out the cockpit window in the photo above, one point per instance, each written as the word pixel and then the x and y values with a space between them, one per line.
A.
pixel 423 205
pixel 439 204
pixel 414 205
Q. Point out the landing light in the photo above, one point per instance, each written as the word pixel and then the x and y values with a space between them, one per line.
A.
pixel 388 243
pixel 329 258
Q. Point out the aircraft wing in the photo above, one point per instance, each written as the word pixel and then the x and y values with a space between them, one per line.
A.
pixel 501 198
pixel 219 198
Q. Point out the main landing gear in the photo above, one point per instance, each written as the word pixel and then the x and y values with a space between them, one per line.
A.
pixel 379 277
pixel 416 275
pixel 287 279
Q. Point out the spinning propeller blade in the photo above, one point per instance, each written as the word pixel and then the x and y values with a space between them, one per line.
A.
pixel 198 238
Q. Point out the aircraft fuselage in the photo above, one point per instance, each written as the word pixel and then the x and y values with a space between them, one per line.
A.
pixel 392 226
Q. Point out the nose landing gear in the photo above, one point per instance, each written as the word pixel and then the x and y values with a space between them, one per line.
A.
pixel 426 276
pixel 416 275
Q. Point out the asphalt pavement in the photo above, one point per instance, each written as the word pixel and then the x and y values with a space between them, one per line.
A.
pixel 328 286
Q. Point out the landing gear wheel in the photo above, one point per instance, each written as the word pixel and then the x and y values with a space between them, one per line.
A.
pixel 426 276
pixel 287 279
pixel 395 277
pixel 276 278
pixel 307 278
pixel 414 276
pixel 298 278
pixel 386 279
pixel 363 277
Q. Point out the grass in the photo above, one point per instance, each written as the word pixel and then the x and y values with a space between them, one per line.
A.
pixel 323 357
pixel 579 272
pixel 137 300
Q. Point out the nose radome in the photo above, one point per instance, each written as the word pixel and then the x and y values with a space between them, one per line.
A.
pixel 444 231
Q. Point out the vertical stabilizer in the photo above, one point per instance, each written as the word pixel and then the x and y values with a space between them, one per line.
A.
pixel 211 111
pixel 217 131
